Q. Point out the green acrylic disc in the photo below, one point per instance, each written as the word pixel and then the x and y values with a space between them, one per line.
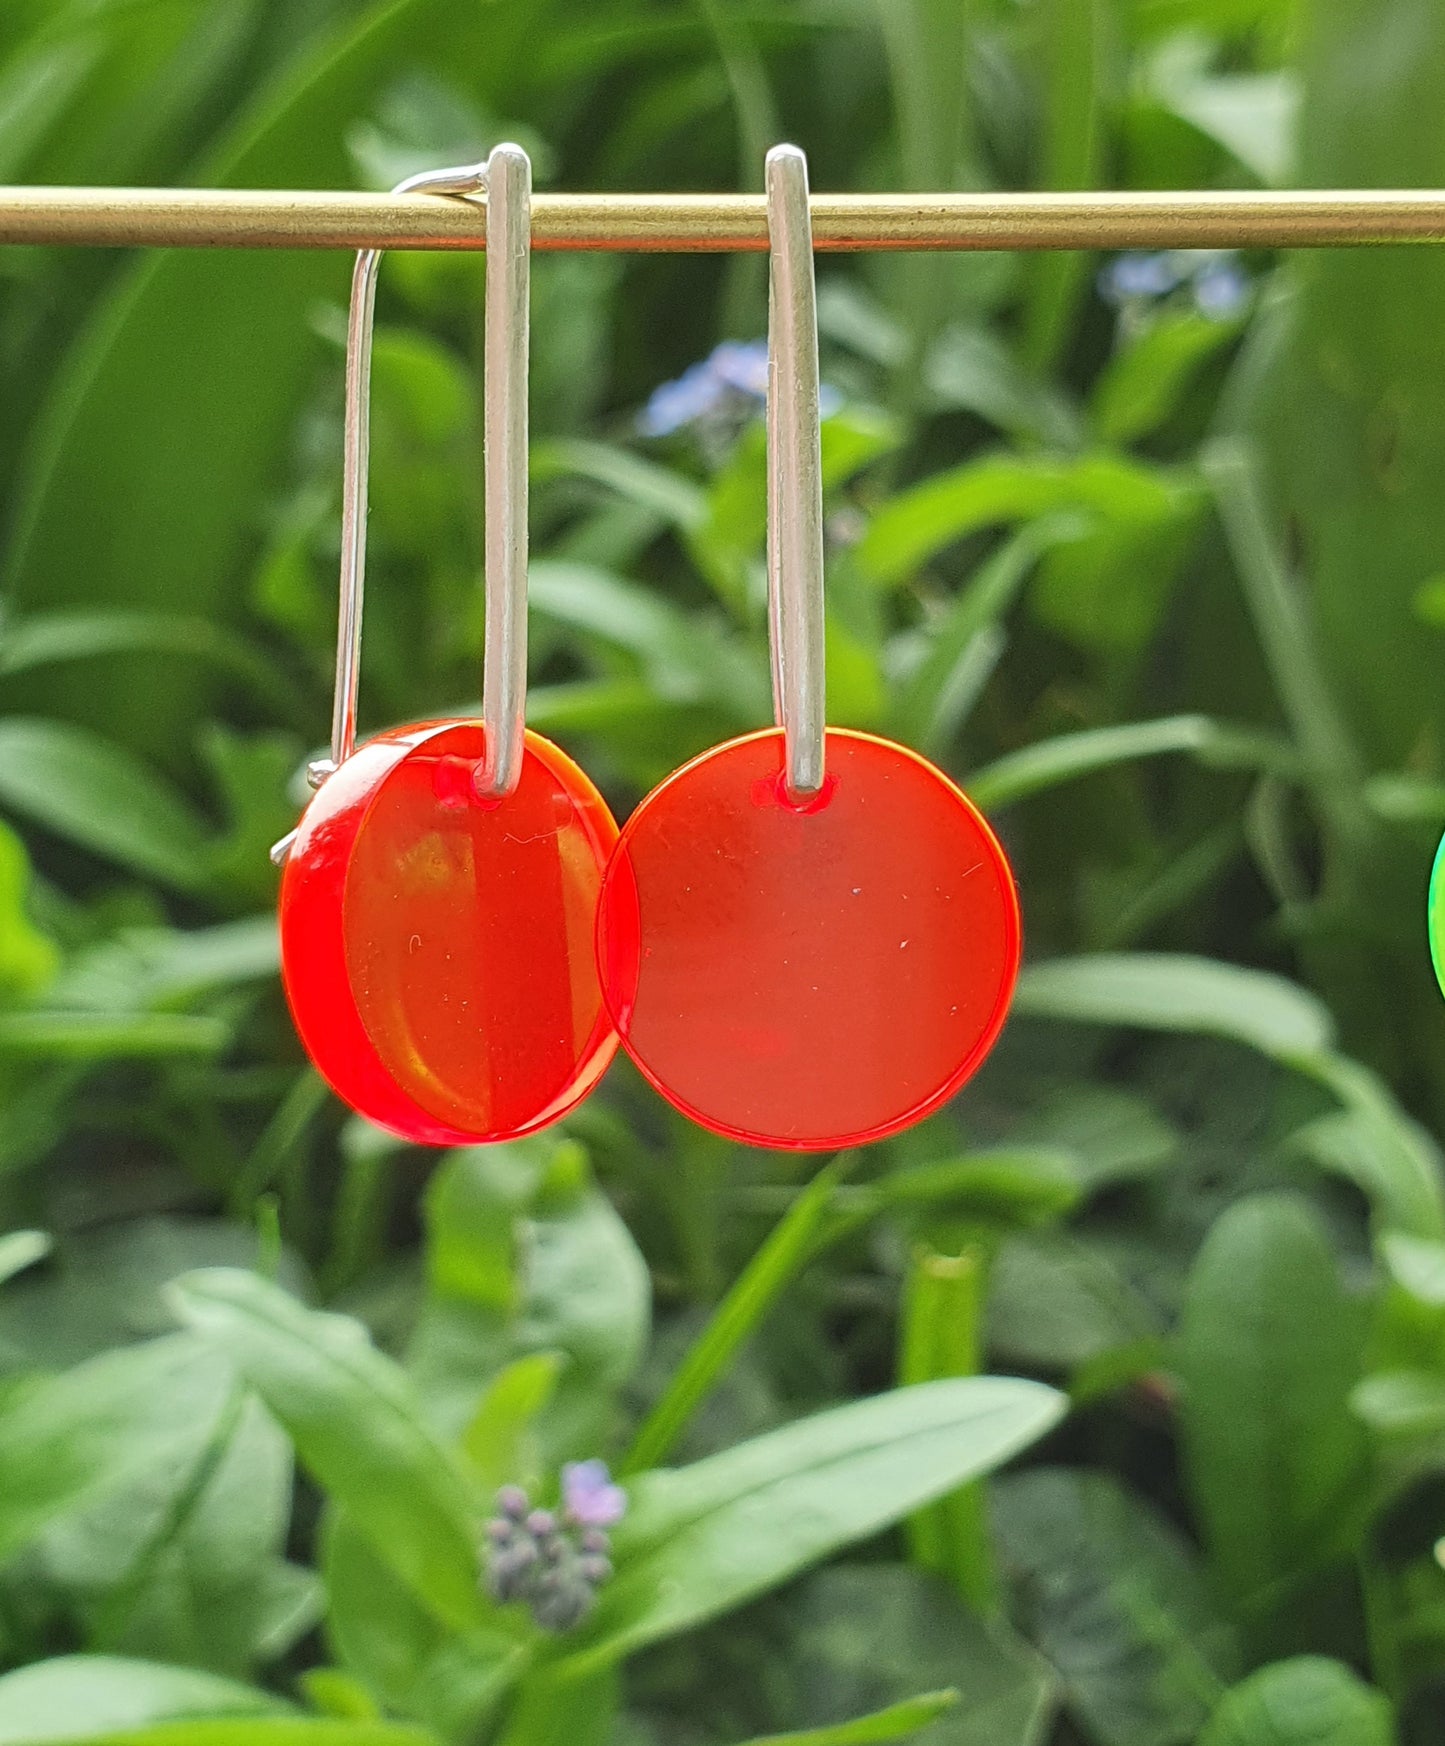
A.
pixel 1435 908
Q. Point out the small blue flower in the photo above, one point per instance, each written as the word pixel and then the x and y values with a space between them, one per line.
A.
pixel 589 1497
pixel 742 365
pixel 1221 289
pixel 1218 285
pixel 673 406
pixel 725 388
pixel 1136 275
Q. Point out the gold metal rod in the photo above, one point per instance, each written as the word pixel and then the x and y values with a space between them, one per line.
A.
pixel 245 218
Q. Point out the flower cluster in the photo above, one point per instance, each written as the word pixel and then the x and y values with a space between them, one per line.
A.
pixel 555 1562
pixel 729 384
pixel 1214 279
pixel 719 394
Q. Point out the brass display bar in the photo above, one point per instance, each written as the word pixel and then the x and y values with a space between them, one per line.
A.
pixel 251 218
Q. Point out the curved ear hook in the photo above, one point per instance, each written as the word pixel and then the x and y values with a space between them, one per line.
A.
pixel 795 474
pixel 507 178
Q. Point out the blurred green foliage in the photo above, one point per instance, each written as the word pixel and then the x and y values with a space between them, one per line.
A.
pixel 1149 551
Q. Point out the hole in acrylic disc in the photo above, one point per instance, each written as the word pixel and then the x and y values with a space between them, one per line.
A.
pixel 808 976
pixel 461 941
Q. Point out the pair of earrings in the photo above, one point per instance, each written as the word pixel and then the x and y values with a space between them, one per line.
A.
pixel 805 938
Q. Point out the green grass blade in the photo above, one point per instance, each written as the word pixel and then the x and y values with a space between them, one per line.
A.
pixel 787 1250
pixel 897 1722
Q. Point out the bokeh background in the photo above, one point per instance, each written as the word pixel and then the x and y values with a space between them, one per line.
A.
pixel 1148 550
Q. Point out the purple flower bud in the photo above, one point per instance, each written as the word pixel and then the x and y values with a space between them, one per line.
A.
pixel 594 1568
pixel 508 1572
pixel 590 1498
pixel 595 1540
pixel 562 1605
pixel 541 1523
pixel 513 1501
pixel 500 1531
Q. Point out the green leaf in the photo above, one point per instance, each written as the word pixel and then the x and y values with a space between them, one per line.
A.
pixel 29 958
pixel 1254 116
pixel 1417 1264
pixel 1269 1350
pixel 110 1277
pixel 1375 1144
pixel 685 657
pixel 265 1732
pixel 337 1694
pixel 1049 762
pixel 139 968
pixel 377 1627
pixel 1167 992
pixel 171 459
pixel 674 499
pixel 112 90
pixel 1143 383
pixel 399 1650
pixel 1289 639
pixel 932 702
pixel 911 527
pixel 47 639
pixel 251 773
pixel 941 1335
pixel 184 1563
pixel 22 1249
pixel 788 1248
pixel 857 1637
pixel 561 1710
pixel 700 1540
pixel 76 1697
pixel 1402 1402
pixel 1110 1595
pixel 93 793
pixel 356 1424
pixel 1342 393
pixel 1074 46
pixel 1109 1135
pixel 1008 1187
pixel 67 1440
pixel 96 1036
pixel 1308 1701
pixel 526 1255
pixel 897 1722
pixel 1106 590
pixel 971 367
pixel 498 1438
pixel 1056 1302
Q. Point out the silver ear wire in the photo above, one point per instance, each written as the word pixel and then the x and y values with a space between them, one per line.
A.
pixel 469 179
pixel 507 331
pixel 795 474
pixel 507 178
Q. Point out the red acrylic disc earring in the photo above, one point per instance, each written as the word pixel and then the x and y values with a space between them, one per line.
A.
pixel 438 903
pixel 807 937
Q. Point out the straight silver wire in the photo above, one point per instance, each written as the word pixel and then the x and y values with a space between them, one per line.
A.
pixel 507 326
pixel 469 179
pixel 795 474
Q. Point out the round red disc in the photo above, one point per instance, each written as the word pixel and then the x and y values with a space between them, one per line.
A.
pixel 436 945
pixel 808 975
